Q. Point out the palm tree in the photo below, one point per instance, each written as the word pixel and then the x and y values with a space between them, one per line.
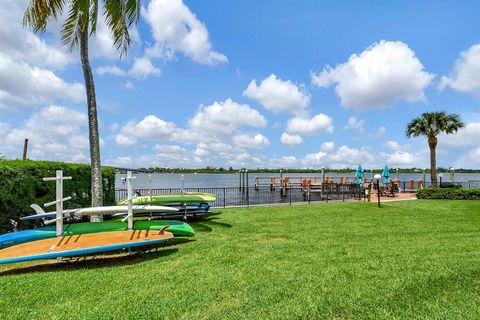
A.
pixel 431 124
pixel 81 23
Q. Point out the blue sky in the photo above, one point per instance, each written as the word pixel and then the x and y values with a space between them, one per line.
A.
pixel 251 84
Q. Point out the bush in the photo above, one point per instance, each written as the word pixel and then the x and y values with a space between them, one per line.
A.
pixel 21 184
pixel 449 194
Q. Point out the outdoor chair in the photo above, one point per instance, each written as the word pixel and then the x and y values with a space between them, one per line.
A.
pixel 392 189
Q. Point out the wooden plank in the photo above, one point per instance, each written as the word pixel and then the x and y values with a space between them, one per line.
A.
pixel 81 241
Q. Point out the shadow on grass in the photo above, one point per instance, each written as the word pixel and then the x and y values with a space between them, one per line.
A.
pixel 207 224
pixel 110 259
pixel 432 288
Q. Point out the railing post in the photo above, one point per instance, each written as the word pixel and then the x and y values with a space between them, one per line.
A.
pixel 224 197
pixel 290 192
pixel 308 190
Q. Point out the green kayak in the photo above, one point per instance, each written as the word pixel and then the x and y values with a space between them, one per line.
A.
pixel 178 229
pixel 189 197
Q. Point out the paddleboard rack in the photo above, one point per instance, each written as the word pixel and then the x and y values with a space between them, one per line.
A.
pixel 130 197
pixel 59 178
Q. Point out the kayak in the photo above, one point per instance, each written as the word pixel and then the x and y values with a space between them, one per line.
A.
pixel 69 246
pixel 178 228
pixel 191 209
pixel 70 213
pixel 189 197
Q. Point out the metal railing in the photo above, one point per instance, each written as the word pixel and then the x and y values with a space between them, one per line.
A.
pixel 249 196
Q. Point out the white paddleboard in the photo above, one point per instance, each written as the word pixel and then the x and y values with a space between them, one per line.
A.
pixel 101 210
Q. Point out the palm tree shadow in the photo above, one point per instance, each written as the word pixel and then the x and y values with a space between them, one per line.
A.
pixel 100 261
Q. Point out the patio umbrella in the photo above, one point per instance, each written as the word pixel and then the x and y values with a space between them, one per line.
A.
pixel 386 175
pixel 359 175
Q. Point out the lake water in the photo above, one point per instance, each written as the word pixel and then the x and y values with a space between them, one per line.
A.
pixel 174 180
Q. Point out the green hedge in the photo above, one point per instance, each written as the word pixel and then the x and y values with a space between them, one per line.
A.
pixel 449 194
pixel 21 184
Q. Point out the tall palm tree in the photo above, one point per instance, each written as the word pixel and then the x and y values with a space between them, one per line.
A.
pixel 431 124
pixel 81 22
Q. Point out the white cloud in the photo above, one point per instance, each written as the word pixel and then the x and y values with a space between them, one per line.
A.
pixel 394 145
pixel 464 77
pixel 20 44
pixel 124 140
pixel 142 68
pixel 401 159
pixel 121 162
pixel 327 146
pixel 129 85
pixel 342 157
pixel 250 141
pixel 216 146
pixel 354 124
pixel 380 132
pixel 54 133
pixel 169 149
pixel 318 124
pixel 243 159
pixel 214 129
pixel 110 69
pixel 466 137
pixel 284 162
pixel 24 85
pixel 383 74
pixel 278 95
pixel 224 118
pixel 176 29
pixel 291 139
pixel 151 127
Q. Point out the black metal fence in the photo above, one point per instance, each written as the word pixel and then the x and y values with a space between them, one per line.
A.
pixel 244 197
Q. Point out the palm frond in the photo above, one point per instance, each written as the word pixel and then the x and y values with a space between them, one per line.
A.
pixel 38 13
pixel 431 124
pixel 77 21
pixel 119 16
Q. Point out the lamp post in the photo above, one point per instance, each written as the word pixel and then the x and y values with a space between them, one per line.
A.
pixel 323 174
pixel 424 177
pixel 377 178
pixel 440 176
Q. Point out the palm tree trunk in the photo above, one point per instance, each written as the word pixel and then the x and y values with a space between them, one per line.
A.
pixel 432 144
pixel 96 170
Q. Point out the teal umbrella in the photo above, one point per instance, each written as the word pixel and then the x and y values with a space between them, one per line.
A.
pixel 359 175
pixel 386 174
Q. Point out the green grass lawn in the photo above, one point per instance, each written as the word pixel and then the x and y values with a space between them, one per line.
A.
pixel 409 259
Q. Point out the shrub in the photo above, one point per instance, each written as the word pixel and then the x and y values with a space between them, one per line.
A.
pixel 449 194
pixel 21 184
